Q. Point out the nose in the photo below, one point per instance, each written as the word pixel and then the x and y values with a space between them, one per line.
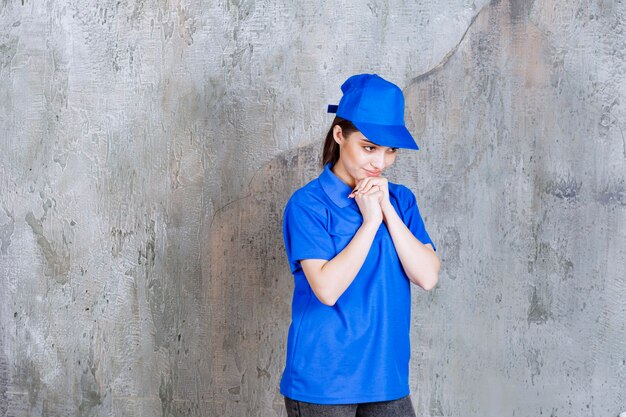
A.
pixel 378 161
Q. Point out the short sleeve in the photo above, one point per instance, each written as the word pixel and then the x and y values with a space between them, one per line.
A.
pixel 305 235
pixel 413 219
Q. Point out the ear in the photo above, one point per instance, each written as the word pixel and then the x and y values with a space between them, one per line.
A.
pixel 338 134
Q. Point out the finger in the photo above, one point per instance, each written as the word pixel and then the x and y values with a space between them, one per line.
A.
pixel 381 181
pixel 358 188
pixel 367 185
pixel 373 190
pixel 379 195
pixel 360 185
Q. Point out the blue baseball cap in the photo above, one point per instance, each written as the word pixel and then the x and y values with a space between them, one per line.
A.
pixel 376 107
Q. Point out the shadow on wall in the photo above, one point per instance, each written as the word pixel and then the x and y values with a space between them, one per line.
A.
pixel 250 286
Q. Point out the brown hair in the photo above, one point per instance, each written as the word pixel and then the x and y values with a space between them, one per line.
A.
pixel 331 148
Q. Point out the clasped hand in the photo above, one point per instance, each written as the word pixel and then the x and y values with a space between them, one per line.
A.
pixel 372 197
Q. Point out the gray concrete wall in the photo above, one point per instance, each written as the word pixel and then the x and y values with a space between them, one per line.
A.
pixel 148 149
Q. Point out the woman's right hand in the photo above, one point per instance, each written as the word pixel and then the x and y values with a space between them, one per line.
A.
pixel 330 278
pixel 370 205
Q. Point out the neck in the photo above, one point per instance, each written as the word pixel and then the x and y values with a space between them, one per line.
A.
pixel 340 171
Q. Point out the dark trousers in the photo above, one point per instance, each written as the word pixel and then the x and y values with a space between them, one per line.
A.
pixel 402 407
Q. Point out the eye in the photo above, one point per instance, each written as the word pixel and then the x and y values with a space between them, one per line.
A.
pixel 369 148
pixel 393 150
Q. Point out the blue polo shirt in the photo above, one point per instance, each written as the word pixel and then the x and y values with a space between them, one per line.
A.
pixel 357 350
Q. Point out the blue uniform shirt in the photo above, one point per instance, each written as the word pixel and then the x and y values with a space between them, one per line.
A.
pixel 357 350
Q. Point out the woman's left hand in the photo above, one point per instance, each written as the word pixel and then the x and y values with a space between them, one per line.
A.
pixel 368 183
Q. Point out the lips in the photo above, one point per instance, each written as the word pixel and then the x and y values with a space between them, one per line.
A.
pixel 372 173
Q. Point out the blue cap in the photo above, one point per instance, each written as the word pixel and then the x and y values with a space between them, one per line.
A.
pixel 376 107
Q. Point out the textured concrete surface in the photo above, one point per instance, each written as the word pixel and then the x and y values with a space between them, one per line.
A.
pixel 148 149
pixel 523 173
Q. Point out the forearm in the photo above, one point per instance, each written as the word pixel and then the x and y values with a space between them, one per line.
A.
pixel 336 275
pixel 420 263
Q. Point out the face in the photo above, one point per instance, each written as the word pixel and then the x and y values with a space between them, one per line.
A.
pixel 359 158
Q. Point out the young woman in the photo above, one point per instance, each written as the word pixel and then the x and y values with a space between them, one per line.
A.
pixel 355 242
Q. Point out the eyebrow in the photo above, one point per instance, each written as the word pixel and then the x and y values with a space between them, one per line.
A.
pixel 375 144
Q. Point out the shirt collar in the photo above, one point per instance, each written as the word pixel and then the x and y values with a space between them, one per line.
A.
pixel 335 188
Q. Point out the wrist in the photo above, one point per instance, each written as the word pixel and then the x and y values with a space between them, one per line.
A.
pixel 370 225
pixel 386 206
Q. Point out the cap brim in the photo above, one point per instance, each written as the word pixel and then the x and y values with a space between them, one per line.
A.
pixel 386 135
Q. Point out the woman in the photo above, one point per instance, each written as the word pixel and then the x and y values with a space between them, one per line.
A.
pixel 354 242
